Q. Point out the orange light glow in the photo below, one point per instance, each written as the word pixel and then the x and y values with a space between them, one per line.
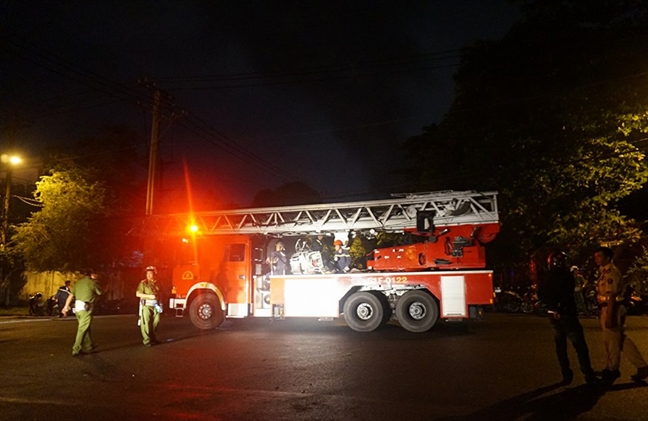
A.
pixel 193 228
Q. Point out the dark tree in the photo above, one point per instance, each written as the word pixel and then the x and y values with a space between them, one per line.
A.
pixel 554 116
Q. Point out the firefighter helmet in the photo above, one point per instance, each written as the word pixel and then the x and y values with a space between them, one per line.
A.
pixel 557 259
pixel 151 269
pixel 337 243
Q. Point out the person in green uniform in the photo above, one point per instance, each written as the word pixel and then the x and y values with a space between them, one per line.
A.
pixel 86 291
pixel 148 291
pixel 613 316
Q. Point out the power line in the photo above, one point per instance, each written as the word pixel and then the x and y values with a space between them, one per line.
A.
pixel 295 80
pixel 440 55
pixel 72 71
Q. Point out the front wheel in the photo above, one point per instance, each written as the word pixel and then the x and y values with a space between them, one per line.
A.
pixel 527 307
pixel 205 312
pixel 417 311
pixel 364 312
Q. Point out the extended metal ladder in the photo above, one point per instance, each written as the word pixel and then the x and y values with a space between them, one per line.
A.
pixel 392 215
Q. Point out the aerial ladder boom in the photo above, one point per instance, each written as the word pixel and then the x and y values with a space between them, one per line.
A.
pixel 401 213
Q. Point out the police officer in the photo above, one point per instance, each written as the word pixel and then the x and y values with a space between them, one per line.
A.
pixel 341 257
pixel 609 295
pixel 86 291
pixel 556 291
pixel 148 291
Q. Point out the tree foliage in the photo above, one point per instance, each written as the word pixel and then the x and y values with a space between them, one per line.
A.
pixel 72 230
pixel 553 116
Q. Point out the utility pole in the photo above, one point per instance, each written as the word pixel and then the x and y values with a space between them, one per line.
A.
pixel 5 271
pixel 162 109
pixel 153 153
pixel 5 208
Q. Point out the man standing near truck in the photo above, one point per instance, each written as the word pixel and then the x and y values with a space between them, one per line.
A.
pixel 148 291
pixel 613 315
pixel 556 291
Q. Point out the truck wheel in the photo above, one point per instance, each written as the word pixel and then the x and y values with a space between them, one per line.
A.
pixel 387 310
pixel 417 311
pixel 363 312
pixel 205 312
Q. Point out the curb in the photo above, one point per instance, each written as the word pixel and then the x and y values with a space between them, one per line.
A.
pixel 28 319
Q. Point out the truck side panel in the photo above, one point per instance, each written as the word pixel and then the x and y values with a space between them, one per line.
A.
pixel 319 295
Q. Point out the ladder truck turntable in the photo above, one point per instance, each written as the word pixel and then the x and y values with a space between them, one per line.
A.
pixel 441 276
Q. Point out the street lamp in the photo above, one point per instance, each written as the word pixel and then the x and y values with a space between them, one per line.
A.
pixel 9 161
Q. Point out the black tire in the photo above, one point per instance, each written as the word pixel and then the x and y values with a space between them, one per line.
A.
pixel 205 312
pixel 364 312
pixel 526 307
pixel 512 306
pixel 387 310
pixel 417 311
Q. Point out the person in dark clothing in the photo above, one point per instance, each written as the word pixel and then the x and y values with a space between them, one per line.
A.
pixel 61 296
pixel 318 243
pixel 556 291
pixel 278 260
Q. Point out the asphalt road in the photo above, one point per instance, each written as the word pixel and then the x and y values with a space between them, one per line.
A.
pixel 499 369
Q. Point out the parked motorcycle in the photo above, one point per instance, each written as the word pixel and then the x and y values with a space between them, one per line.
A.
pixel 52 306
pixel 36 304
pixel 531 303
pixel 508 301
pixel 591 306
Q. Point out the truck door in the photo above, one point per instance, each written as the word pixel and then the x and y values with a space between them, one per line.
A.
pixel 235 274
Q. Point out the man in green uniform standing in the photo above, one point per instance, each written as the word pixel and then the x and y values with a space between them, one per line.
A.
pixel 613 315
pixel 86 290
pixel 148 292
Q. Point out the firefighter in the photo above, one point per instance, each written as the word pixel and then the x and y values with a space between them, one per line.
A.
pixel 609 295
pixel 148 291
pixel 341 257
pixel 278 260
pixel 86 290
pixel 318 244
pixel 556 291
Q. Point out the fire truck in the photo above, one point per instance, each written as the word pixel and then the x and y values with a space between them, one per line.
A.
pixel 222 271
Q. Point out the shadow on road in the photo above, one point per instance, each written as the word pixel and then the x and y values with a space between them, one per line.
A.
pixel 532 406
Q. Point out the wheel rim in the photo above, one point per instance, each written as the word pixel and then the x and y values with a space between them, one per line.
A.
pixel 364 311
pixel 205 312
pixel 417 310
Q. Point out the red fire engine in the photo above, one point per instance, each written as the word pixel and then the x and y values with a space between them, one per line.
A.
pixel 442 274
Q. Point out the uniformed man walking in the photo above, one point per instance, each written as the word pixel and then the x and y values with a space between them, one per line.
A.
pixel 86 291
pixel 148 291
pixel 609 296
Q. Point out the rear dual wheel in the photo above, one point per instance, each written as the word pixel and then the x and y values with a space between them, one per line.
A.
pixel 417 311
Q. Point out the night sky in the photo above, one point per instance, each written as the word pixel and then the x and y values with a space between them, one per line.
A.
pixel 320 92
